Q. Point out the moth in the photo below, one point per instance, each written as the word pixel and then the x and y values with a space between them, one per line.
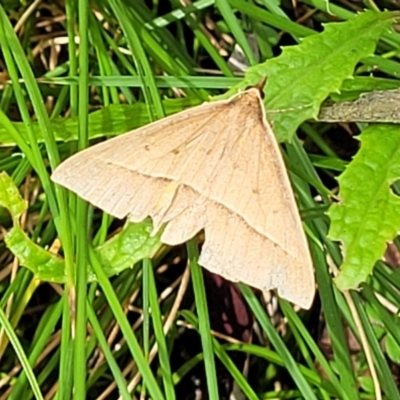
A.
pixel 216 167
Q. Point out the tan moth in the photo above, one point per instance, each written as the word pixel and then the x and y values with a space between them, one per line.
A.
pixel 215 167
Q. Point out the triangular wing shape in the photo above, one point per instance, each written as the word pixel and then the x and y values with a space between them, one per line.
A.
pixel 215 167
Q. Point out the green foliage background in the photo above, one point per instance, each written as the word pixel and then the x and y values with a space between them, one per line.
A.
pixel 99 280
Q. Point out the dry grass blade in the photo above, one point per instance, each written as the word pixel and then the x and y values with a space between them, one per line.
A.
pixel 215 167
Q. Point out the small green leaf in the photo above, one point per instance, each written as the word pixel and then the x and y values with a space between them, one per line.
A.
pixel 393 349
pixel 368 215
pixel 46 266
pixel 10 197
pixel 124 250
pixel 132 244
pixel 366 383
pixel 304 75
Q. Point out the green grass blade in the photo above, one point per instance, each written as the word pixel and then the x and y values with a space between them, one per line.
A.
pixel 21 355
pixel 277 342
pixel 204 322
pixel 126 329
pixel 387 382
pixel 163 352
pixel 117 374
pixel 237 32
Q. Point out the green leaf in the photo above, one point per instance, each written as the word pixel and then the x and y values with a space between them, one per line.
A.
pixel 132 244
pixel 46 266
pixel 122 251
pixel 393 349
pixel 125 249
pixel 304 75
pixel 366 383
pixel 10 197
pixel 368 214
